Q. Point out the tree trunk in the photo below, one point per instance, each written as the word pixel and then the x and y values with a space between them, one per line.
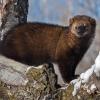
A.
pixel 12 12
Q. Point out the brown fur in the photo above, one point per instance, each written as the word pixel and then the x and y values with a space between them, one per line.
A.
pixel 38 43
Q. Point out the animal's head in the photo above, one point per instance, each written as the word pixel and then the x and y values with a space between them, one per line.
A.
pixel 81 25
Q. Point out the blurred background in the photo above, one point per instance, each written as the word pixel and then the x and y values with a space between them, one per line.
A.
pixel 59 12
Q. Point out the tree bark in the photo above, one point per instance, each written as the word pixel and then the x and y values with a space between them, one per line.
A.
pixel 12 12
pixel 23 82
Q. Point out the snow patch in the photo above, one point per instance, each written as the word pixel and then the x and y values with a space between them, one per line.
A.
pixel 97 66
pixel 93 88
pixel 84 77
pixel 76 88
pixel 74 81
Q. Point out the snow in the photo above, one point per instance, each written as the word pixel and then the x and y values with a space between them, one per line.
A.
pixel 74 81
pixel 97 66
pixel 84 77
pixel 76 88
pixel 93 88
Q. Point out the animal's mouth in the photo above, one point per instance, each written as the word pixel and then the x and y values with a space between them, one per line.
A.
pixel 81 29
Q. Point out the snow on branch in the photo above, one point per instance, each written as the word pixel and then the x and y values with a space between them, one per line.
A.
pixel 85 78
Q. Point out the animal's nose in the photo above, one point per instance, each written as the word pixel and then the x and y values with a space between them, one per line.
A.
pixel 81 28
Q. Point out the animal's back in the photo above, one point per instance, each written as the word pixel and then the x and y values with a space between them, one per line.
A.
pixel 32 43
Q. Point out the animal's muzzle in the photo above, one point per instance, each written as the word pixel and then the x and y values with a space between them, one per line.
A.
pixel 81 29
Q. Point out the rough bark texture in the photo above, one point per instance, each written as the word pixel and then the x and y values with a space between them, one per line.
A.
pixel 41 82
pixel 12 12
pixel 26 83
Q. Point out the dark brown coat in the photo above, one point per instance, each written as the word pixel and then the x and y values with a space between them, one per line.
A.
pixel 38 43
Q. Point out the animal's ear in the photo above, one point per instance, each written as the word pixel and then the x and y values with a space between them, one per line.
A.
pixel 93 21
pixel 71 20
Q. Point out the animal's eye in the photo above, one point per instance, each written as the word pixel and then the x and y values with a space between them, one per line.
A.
pixel 76 27
pixel 85 25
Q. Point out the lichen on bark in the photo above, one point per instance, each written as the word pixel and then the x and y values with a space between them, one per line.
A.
pixel 42 81
pixel 12 12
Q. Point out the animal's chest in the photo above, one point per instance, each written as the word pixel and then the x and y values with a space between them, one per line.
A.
pixel 76 54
